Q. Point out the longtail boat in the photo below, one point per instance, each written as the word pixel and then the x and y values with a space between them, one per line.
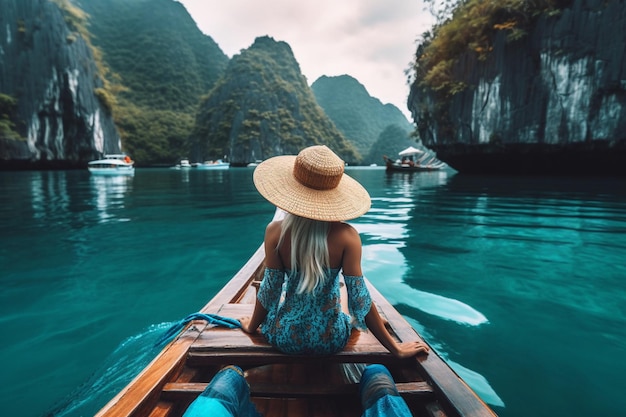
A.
pixel 289 385
pixel 413 160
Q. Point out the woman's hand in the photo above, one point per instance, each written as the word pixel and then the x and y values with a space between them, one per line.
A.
pixel 409 349
pixel 251 324
pixel 245 325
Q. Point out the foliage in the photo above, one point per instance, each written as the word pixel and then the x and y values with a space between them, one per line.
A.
pixel 391 140
pixel 157 136
pixel 360 117
pixel 471 28
pixel 8 108
pixel 78 21
pixel 262 107
pixel 106 99
pixel 160 66
pixel 75 17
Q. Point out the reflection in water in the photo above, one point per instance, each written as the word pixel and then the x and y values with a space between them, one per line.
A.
pixel 394 210
pixel 540 257
pixel 391 264
pixel 387 267
pixel 49 195
pixel 109 195
pixel 478 383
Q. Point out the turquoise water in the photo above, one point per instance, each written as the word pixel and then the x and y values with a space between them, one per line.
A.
pixel 518 282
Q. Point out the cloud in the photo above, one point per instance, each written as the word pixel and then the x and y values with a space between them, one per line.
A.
pixel 370 40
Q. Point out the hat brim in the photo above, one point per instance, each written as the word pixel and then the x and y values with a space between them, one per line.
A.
pixel 275 181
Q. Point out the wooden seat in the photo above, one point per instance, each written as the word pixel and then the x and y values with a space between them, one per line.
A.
pixel 219 346
pixel 174 390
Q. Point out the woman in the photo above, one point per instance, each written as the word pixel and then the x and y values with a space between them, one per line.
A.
pixel 299 306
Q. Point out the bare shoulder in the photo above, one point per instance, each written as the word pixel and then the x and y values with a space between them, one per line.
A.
pixel 344 231
pixel 272 231
pixel 274 226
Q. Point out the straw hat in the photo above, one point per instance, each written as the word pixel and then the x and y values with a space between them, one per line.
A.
pixel 312 185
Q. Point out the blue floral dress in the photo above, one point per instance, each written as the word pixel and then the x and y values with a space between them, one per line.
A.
pixel 311 323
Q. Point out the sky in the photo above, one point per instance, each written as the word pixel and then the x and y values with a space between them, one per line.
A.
pixel 371 40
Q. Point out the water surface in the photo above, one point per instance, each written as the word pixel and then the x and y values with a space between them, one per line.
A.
pixel 517 282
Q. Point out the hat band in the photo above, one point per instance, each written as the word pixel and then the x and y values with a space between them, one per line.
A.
pixel 317 180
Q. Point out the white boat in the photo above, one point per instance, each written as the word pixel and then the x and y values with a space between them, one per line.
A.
pixel 184 164
pixel 255 163
pixel 217 164
pixel 112 164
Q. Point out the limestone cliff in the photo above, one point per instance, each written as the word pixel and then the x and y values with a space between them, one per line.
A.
pixel 551 101
pixel 49 69
pixel 263 107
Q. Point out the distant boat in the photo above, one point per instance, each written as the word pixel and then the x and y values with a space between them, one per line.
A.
pixel 184 164
pixel 217 164
pixel 255 163
pixel 414 160
pixel 112 164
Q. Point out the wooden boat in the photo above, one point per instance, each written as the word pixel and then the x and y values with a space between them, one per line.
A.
pixel 413 160
pixel 289 385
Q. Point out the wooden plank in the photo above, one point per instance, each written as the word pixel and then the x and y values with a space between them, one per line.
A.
pixel 162 410
pixel 143 392
pixel 173 391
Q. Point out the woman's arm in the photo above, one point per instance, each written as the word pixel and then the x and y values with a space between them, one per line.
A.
pixel 272 260
pixel 400 350
pixel 352 267
pixel 250 324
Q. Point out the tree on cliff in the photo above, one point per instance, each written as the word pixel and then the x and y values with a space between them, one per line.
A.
pixel 8 131
pixel 390 141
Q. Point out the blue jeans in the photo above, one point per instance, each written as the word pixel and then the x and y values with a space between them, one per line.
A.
pixel 228 395
pixel 379 395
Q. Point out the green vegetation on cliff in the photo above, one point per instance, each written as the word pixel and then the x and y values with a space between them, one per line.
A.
pixel 392 139
pixel 471 29
pixel 360 117
pixel 161 65
pixel 263 107
pixel 8 107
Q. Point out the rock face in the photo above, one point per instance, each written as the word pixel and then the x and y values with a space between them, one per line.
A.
pixel 50 70
pixel 553 101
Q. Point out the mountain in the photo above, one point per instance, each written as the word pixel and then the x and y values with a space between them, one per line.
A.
pixel 54 111
pixel 263 107
pixel 360 117
pixel 86 77
pixel 525 88
pixel 81 78
pixel 162 64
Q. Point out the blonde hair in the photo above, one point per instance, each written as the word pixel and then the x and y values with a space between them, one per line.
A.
pixel 309 249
